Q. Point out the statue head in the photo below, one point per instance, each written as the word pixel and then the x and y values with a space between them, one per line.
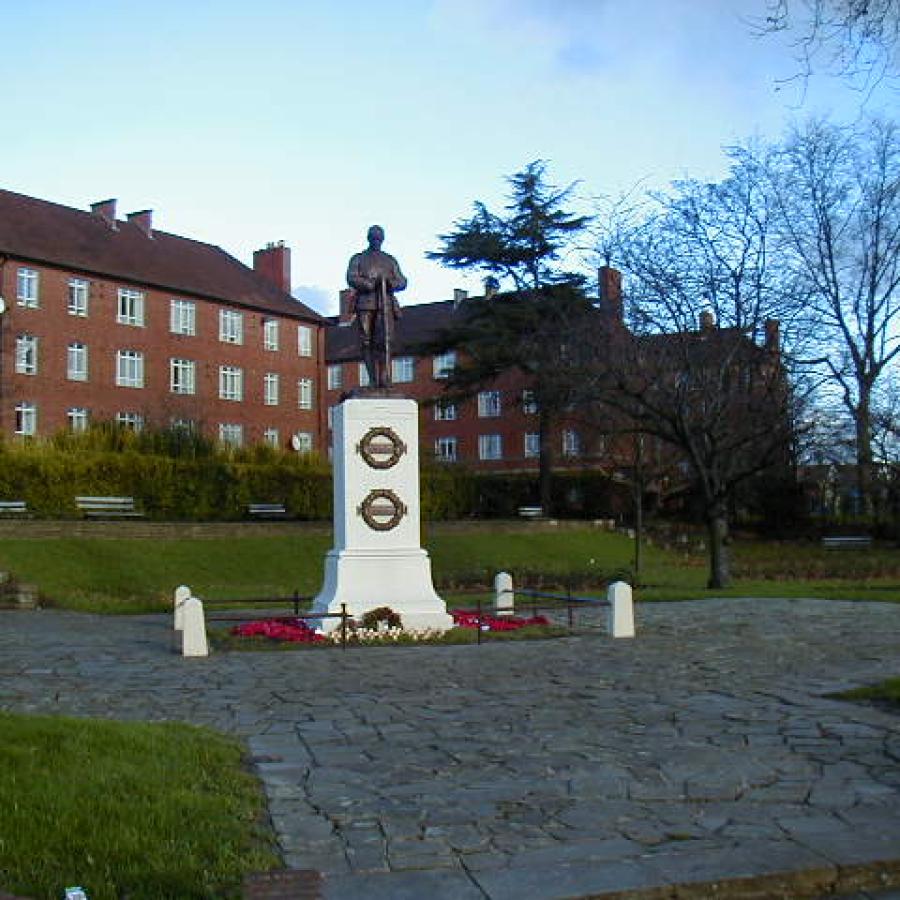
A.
pixel 375 237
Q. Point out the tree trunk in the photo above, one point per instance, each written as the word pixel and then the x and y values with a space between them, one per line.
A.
pixel 863 416
pixel 719 562
pixel 638 505
pixel 545 461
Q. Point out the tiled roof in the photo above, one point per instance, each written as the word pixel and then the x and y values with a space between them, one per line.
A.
pixel 44 232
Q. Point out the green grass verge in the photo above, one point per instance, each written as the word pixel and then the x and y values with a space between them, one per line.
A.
pixel 126 575
pixel 122 809
pixel 887 693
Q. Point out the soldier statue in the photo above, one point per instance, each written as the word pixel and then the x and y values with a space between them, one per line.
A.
pixel 375 277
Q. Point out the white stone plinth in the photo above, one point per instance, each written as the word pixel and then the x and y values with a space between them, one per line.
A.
pixel 620 621
pixel 182 592
pixel 193 635
pixel 504 598
pixel 377 559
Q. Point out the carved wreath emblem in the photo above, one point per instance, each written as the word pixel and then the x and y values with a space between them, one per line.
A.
pixel 381 447
pixel 382 510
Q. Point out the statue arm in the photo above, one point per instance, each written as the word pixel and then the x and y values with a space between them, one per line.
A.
pixel 398 280
pixel 356 279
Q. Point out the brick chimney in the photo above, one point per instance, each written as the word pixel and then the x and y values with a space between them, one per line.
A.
pixel 143 220
pixel 106 210
pixel 345 296
pixel 459 297
pixel 610 288
pixel 274 264
pixel 773 335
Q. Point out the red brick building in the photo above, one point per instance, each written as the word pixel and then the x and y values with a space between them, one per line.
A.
pixel 106 319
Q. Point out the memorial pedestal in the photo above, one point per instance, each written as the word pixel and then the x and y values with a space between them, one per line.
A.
pixel 377 559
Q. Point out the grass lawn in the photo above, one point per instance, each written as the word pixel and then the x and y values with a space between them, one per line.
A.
pixel 123 575
pixel 886 694
pixel 120 809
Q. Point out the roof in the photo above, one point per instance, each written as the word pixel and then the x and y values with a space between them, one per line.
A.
pixel 419 323
pixel 49 233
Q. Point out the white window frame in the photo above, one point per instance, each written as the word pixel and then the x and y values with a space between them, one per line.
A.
pixel 28 287
pixel 231 434
pixel 231 326
pixel 363 376
pixel 335 374
pixel 489 406
pixel 130 309
pixel 445 411
pixel 26 418
pixel 231 383
pixel 571 443
pixel 77 361
pixel 446 449
pixel 78 418
pixel 134 421
pixel 78 297
pixel 330 416
pixel 26 354
pixel 182 376
pixel 271 386
pixel 271 437
pixel 304 442
pixel 443 364
pixel 532 444
pixel 182 316
pixel 403 369
pixel 304 340
pixel 270 334
pixel 130 368
pixel 305 393
pixel 490 446
pixel 529 402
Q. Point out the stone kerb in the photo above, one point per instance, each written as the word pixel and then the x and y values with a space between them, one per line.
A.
pixel 193 636
pixel 182 592
pixel 620 617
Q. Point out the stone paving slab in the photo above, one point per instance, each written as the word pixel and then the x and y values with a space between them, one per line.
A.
pixel 702 752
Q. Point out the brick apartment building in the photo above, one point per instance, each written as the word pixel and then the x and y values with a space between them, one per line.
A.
pixel 105 319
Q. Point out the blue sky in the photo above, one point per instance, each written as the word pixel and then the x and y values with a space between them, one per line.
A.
pixel 302 121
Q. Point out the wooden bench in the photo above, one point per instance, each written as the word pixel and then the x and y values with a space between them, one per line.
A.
pixel 13 507
pixel 108 507
pixel 857 542
pixel 531 512
pixel 266 510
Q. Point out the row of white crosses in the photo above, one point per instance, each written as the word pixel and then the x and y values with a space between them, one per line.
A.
pixel 619 602
pixel 190 621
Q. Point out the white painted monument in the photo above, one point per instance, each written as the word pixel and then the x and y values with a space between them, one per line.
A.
pixel 377 559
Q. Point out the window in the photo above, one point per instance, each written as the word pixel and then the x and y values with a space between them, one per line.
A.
pixel 27 288
pixel 303 442
pixel 304 340
pixel 532 444
pixel 130 368
pixel 335 377
pixel 445 411
pixel 330 415
pixel 363 375
pixel 26 418
pixel 490 446
pixel 77 362
pixel 270 334
pixel 26 354
pixel 231 383
pixel 187 426
pixel 305 393
pixel 270 437
pixel 231 434
pixel 571 443
pixel 529 403
pixel 78 297
pixel 183 317
pixel 444 364
pixel 231 326
pixel 488 404
pixel 182 376
pixel 131 307
pixel 78 418
pixel 270 389
pixel 402 369
pixel 133 421
pixel 445 449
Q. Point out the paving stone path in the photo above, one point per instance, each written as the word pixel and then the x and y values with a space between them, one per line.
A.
pixel 703 750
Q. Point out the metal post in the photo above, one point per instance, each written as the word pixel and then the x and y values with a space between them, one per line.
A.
pixel 296 603
pixel 478 622
pixel 343 626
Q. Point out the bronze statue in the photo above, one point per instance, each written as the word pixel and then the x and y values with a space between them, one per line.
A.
pixel 375 277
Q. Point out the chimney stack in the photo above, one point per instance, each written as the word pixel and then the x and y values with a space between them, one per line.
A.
pixel 274 264
pixel 106 210
pixel 610 287
pixel 143 220
pixel 346 296
pixel 459 296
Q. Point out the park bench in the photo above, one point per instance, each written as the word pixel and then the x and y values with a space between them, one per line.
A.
pixel 857 542
pixel 13 507
pixel 108 507
pixel 266 510
pixel 531 512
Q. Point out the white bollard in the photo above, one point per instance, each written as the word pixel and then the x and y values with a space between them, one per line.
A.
pixel 182 592
pixel 504 598
pixel 193 637
pixel 620 618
